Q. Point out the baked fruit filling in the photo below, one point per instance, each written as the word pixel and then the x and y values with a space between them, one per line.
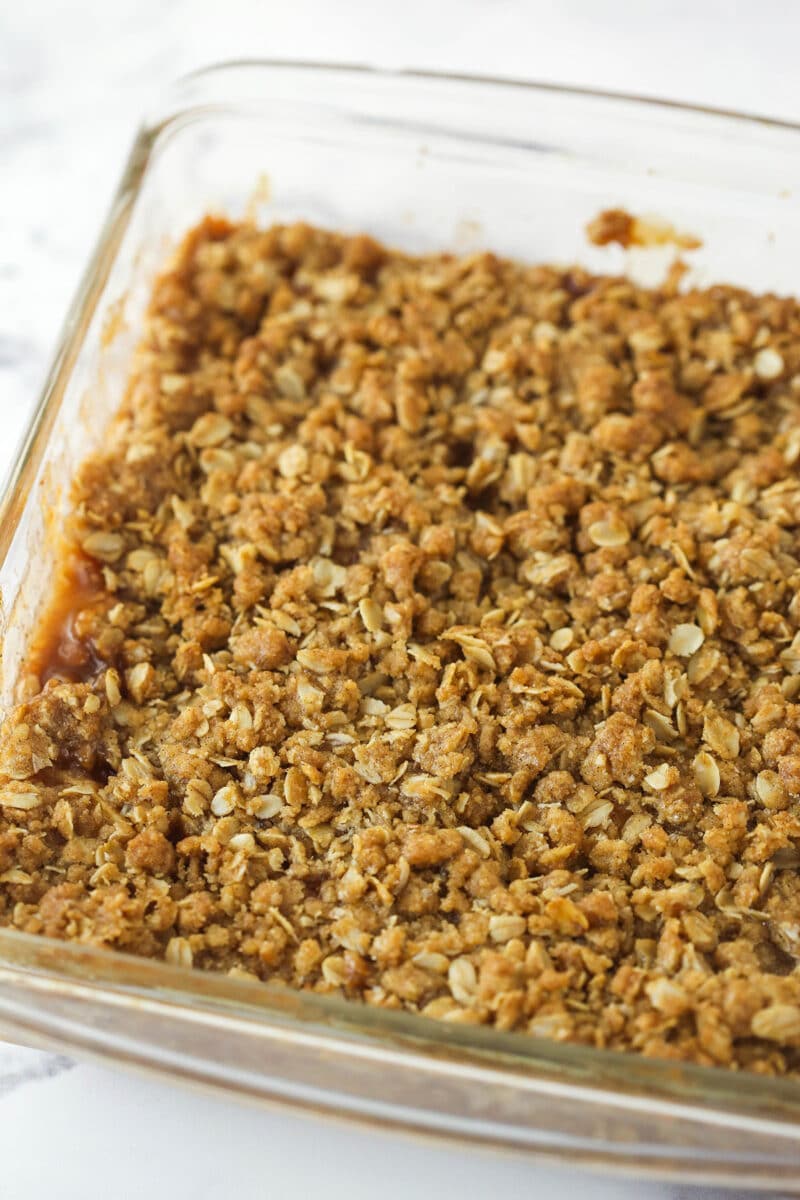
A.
pixel 427 632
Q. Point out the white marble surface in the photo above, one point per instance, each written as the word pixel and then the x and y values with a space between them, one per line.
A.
pixel 73 79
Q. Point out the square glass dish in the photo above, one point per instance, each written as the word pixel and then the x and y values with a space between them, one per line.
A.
pixel 423 162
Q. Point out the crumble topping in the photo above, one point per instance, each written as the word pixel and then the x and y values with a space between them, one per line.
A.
pixel 428 632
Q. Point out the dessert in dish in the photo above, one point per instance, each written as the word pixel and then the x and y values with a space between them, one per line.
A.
pixel 427 632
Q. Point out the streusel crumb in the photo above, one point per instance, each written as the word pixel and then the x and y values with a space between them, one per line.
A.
pixel 429 634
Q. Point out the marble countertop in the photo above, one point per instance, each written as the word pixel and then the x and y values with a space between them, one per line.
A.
pixel 66 1130
pixel 73 80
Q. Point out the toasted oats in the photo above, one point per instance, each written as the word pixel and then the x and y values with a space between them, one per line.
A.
pixel 286 622
pixel 662 777
pixel 329 577
pixel 576 661
pixel 635 826
pixel 106 546
pixel 474 648
pixel 264 808
pixel 707 613
pixel 404 716
pixel 777 1023
pixel 566 917
pixel 679 555
pixel 703 664
pixel 557 1026
pixel 505 927
pixel 668 997
pixel 597 814
pixel 721 735
pixel 198 797
pixel 334 971
pixel 224 800
pixel 609 533
pixel 138 680
pixel 295 788
pixel 241 973
pixel 313 660
pixel 111 682
pixel 474 839
pixel 172 383
pixel 309 697
pixel 770 790
pixel 462 980
pixel 765 878
pixel 562 639
pixel 15 875
pixel 768 364
pixel 371 614
pixel 662 726
pixel 431 961
pixel 706 773
pixel 421 655
pixel 209 430
pixel 290 383
pixel 179 952
pixel 244 842
pixel 790 657
pixel 293 461
pixel 21 800
pixel 184 514
pixel 685 640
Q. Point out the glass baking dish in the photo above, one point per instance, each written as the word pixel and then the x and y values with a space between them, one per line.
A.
pixel 423 162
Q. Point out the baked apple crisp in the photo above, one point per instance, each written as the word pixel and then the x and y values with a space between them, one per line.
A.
pixel 428 632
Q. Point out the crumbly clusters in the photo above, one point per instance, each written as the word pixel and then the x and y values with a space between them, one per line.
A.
pixel 437 644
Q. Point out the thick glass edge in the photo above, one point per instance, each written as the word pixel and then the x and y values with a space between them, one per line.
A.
pixel 713 1089
pixel 29 961
pixel 411 74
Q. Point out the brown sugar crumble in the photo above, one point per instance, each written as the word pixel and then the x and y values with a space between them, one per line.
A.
pixel 438 645
pixel 620 226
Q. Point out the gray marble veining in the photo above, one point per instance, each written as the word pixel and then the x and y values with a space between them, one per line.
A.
pixel 20 1066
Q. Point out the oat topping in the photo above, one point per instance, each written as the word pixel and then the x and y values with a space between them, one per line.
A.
pixel 429 633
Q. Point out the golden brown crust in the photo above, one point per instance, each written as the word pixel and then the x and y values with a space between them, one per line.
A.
pixel 448 649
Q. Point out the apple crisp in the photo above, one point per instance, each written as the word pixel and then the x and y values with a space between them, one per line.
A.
pixel 428 632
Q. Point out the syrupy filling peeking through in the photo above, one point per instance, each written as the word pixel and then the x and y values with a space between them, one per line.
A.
pixel 63 647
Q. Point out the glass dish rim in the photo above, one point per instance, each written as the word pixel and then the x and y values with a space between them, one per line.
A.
pixel 161 115
pixel 157 120
pixel 378 1026
pixel 468 77
pixel 569 1066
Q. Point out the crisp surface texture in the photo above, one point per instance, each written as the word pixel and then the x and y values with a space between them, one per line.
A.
pixel 433 641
